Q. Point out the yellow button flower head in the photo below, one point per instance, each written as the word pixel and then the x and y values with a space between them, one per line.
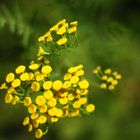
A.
pixel 3 86
pixel 118 76
pixel 74 23
pixel 90 108
pixel 63 94
pixel 16 83
pixel 47 85
pixel 67 76
pixel 24 76
pixel 34 116
pixel 80 73
pixel 10 77
pixel 107 71
pixel 114 82
pixel 8 98
pixel 41 38
pixel 76 104
pixel 38 133
pixel 61 30
pixel 35 86
pixel 59 113
pixel 83 100
pixel 84 84
pixel 34 66
pixel 20 69
pixel 73 70
pixel 52 102
pixel 66 84
pixel 110 79
pixel 104 77
pixel 54 28
pixel 42 119
pixel 48 94
pixel 46 69
pixel 31 76
pixel 72 30
pixel 36 123
pixel 103 86
pixel 57 85
pixel 26 121
pixel 47 34
pixel 43 109
pixel 40 51
pixel 74 79
pixel 40 100
pixel 30 128
pixel 62 41
pixel 52 111
pixel 70 97
pixel 63 101
pixel 15 100
pixel 27 101
pixel 111 87
pixel 54 119
pixel 39 77
pixel 32 108
pixel 75 113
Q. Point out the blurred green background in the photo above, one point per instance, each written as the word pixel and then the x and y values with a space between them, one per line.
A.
pixel 109 35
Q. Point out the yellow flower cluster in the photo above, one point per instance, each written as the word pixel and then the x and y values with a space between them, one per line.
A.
pixel 47 100
pixel 60 33
pixel 109 79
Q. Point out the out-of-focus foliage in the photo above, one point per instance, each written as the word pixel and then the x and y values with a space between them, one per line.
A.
pixel 109 33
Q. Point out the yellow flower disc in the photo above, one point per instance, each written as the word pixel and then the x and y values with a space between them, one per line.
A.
pixel 61 30
pixel 103 86
pixel 39 77
pixel 16 83
pixel 34 66
pixel 73 70
pixel 10 77
pixel 63 101
pixel 54 119
pixel 76 104
pixel 59 113
pixel 31 76
pixel 47 85
pixel 52 102
pixel 30 128
pixel 57 85
pixel 20 69
pixel 118 76
pixel 27 101
pixel 79 73
pixel 84 84
pixel 67 76
pixel 26 121
pixel 62 41
pixel 24 76
pixel 72 30
pixel 38 133
pixel 8 98
pixel 35 86
pixel 46 69
pixel 83 100
pixel 32 109
pixel 43 109
pixel 40 100
pixel 66 84
pixel 74 79
pixel 75 113
pixel 48 94
pixel 70 97
pixel 108 71
pixel 42 119
pixel 90 108
pixel 34 116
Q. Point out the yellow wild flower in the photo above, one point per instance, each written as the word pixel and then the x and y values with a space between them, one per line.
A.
pixel 24 76
pixel 90 108
pixel 32 108
pixel 26 121
pixel 72 30
pixel 27 101
pixel 40 100
pixel 35 86
pixel 57 85
pixel 48 94
pixel 20 69
pixel 61 30
pixel 38 133
pixel 34 66
pixel 62 41
pixel 42 119
pixel 84 84
pixel 16 83
pixel 46 69
pixel 10 77
pixel 47 85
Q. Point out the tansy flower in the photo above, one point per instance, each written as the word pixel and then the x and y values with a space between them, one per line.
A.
pixel 74 79
pixel 20 69
pixel 75 113
pixel 46 69
pixel 40 100
pixel 47 34
pixel 73 70
pixel 52 102
pixel 54 119
pixel 40 77
pixel 3 86
pixel 10 77
pixel 74 23
pixel 83 84
pixel 43 109
pixel 42 119
pixel 48 94
pixel 72 30
pixel 49 38
pixel 54 28
pixel 40 39
pixel 34 66
pixel 90 108
pixel 16 83
pixel 26 121
pixel 30 128
pixel 24 76
pixel 32 108
pixel 35 86
pixel 63 101
pixel 76 104
pixel 57 85
pixel 107 71
pixel 15 100
pixel 103 86
pixel 62 41
pixel 66 84
pixel 27 101
pixel 67 76
pixel 34 116
pixel 61 30
pixel 38 133
pixel 47 85
pixel 40 51
pixel 8 98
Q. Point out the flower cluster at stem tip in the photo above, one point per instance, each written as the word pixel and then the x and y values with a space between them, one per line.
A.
pixel 48 100
pixel 108 79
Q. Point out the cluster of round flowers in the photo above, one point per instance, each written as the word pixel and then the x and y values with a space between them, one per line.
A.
pixel 109 79
pixel 46 100
pixel 60 33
